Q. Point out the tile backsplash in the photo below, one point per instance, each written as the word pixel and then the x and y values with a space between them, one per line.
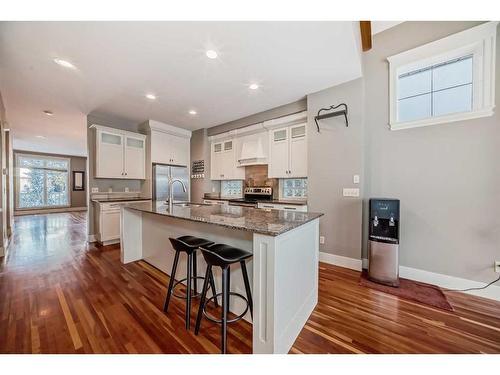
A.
pixel 256 175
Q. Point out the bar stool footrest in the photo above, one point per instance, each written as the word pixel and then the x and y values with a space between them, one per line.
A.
pixel 183 296
pixel 219 321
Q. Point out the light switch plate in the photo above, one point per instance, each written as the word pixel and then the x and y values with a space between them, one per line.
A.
pixel 127 190
pixel 350 192
pixel 355 179
pixel 322 240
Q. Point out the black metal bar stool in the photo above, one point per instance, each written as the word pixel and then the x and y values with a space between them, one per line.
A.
pixel 188 245
pixel 220 255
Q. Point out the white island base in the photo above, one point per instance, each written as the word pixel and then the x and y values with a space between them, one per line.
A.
pixel 283 271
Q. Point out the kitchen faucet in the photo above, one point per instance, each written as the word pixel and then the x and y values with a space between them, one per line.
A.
pixel 171 183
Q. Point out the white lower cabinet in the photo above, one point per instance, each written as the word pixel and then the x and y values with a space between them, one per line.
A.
pixel 284 207
pixel 108 214
pixel 110 225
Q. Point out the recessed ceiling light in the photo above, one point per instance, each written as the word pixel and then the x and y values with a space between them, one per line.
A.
pixel 48 113
pixel 64 63
pixel 151 96
pixel 211 54
pixel 192 112
pixel 40 136
pixel 253 86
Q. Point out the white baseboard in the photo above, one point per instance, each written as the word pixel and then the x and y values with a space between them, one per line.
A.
pixel 447 282
pixel 91 238
pixel 49 211
pixel 338 260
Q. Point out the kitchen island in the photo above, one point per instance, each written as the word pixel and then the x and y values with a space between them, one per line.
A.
pixel 283 270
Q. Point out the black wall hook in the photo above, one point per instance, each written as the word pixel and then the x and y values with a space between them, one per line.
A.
pixel 342 112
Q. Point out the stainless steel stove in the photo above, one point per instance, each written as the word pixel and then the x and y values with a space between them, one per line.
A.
pixel 252 196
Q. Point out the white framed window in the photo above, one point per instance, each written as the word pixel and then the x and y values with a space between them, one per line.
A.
pixel 293 188
pixel 42 182
pixel 451 79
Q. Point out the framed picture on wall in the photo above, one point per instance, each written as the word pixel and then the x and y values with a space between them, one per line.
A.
pixel 78 180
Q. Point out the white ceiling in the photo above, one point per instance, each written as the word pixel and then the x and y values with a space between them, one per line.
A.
pixel 119 62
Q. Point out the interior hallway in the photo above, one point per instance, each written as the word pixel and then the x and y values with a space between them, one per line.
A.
pixel 62 295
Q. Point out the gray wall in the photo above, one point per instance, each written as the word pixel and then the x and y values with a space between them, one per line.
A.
pixel 284 110
pixel 200 150
pixel 447 176
pixel 77 163
pixel 334 156
pixel 103 184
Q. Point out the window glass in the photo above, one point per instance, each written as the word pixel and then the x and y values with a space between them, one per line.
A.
pixel 42 182
pixel 133 142
pixel 294 188
pixel 232 188
pixel 415 83
pixel 111 138
pixel 452 74
pixel 457 99
pixel 437 90
pixel 414 108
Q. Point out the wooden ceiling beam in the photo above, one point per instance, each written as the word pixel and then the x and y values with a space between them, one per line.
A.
pixel 366 35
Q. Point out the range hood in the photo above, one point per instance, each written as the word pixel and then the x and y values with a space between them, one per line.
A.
pixel 253 150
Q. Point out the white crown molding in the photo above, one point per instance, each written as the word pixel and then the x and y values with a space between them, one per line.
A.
pixel 153 125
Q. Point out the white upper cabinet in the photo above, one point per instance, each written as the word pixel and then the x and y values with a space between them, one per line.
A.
pixel 298 151
pixel 169 144
pixel 223 161
pixel 169 148
pixel 109 155
pixel 119 154
pixel 135 156
pixel 288 152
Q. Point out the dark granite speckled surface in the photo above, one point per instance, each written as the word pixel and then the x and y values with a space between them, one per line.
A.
pixel 268 222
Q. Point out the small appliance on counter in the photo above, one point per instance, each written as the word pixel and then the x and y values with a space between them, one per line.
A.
pixel 383 241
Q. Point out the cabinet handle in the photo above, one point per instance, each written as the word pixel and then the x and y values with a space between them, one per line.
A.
pixel 266 206
pixel 289 208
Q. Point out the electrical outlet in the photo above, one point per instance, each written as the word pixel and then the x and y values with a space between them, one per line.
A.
pixel 95 190
pixel 497 266
pixel 322 240
pixel 350 192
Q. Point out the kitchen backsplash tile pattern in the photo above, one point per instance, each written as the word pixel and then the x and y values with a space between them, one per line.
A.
pixel 256 175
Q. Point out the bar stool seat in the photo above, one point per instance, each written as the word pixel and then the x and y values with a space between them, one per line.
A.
pixel 193 242
pixel 223 256
pixel 188 245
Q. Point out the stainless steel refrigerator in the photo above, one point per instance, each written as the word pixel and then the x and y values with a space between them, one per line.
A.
pixel 161 174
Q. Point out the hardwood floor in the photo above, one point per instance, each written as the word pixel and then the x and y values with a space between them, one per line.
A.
pixel 59 294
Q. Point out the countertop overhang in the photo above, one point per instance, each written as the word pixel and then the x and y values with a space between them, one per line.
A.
pixel 267 222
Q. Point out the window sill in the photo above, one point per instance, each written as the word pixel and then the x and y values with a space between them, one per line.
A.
pixel 442 119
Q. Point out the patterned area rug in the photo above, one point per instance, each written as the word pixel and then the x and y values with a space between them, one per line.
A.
pixel 412 290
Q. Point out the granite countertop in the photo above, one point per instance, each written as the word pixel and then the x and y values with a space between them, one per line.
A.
pixel 268 222
pixel 110 200
pixel 296 202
